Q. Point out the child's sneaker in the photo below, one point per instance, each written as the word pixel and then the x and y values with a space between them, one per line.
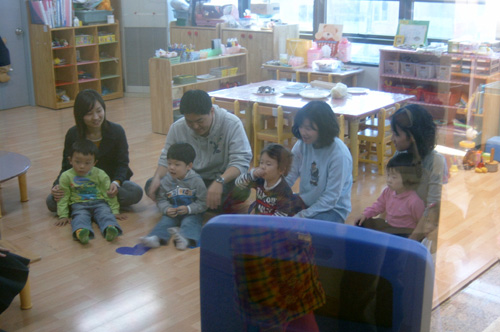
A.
pixel 181 243
pixel 111 233
pixel 82 235
pixel 150 241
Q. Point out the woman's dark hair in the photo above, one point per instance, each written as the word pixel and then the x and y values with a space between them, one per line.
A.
pixel 411 171
pixel 195 102
pixel 418 124
pixel 281 154
pixel 181 151
pixel 84 102
pixel 320 114
pixel 85 147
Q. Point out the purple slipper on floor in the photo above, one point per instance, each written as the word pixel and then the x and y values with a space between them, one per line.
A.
pixel 137 250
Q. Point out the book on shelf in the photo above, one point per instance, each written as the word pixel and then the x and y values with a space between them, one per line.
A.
pixel 54 13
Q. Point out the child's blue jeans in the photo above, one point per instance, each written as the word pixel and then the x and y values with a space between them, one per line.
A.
pixel 82 213
pixel 189 224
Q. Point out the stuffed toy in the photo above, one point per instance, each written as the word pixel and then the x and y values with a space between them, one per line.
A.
pixel 4 61
pixel 105 5
pixel 329 32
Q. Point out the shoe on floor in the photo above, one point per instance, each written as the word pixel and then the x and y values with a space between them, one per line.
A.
pixel 150 241
pixel 111 233
pixel 82 235
pixel 181 243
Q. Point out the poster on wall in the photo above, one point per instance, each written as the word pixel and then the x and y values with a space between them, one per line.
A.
pixel 413 33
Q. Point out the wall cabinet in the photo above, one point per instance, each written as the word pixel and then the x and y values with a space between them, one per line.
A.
pixel 199 37
pixel 262 46
pixel 67 60
pixel 165 94
pixel 446 84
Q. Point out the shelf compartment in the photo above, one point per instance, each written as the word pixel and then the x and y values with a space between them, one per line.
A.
pixel 431 80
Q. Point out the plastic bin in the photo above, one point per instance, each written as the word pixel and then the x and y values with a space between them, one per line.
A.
pixel 93 16
pixel 391 67
pixel 408 69
pixel 425 71
pixel 443 72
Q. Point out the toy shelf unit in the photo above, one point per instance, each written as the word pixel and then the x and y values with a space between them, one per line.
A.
pixel 168 81
pixel 446 84
pixel 68 60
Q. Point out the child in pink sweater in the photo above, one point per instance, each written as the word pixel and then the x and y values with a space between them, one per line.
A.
pixel 402 206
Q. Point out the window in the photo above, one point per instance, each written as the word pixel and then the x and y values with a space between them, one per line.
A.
pixel 372 24
pixel 296 12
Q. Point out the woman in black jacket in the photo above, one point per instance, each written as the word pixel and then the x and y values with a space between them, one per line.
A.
pixel 90 118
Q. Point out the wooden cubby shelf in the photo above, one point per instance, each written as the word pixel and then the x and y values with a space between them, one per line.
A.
pixel 52 81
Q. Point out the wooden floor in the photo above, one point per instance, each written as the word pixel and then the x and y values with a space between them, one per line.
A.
pixel 92 288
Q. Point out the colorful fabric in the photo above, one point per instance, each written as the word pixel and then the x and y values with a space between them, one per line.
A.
pixel 276 276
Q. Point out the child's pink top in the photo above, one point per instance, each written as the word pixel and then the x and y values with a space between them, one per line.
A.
pixel 403 210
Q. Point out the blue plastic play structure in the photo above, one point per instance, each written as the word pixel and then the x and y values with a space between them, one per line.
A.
pixel 372 281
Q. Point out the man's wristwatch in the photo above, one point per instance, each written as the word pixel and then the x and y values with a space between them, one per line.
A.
pixel 220 180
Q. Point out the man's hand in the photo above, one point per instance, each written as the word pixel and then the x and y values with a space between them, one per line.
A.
pixel 172 212
pixel 153 187
pixel 57 193
pixel 214 194
pixel 62 222
pixel 3 251
pixel 113 190
pixel 182 210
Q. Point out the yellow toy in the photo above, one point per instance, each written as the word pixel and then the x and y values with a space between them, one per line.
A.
pixel 105 5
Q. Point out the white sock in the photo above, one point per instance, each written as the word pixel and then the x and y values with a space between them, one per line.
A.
pixel 181 243
pixel 150 241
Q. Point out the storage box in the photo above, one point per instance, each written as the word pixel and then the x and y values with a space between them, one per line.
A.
pixel 184 79
pixel 298 47
pixel 408 69
pixel 267 9
pixel 391 67
pixel 426 71
pixel 443 72
pixel 84 39
pixel 108 38
pixel 93 16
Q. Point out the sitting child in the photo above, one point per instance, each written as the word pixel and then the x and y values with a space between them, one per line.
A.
pixel 181 199
pixel 273 194
pixel 400 202
pixel 85 188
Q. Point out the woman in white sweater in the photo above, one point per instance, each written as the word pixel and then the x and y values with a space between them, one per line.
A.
pixel 323 163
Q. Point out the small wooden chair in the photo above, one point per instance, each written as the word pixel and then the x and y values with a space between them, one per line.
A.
pixel 372 121
pixel 234 107
pixel 376 141
pixel 341 122
pixel 25 295
pixel 319 77
pixel 269 125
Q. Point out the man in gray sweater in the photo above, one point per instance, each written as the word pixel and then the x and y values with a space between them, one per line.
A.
pixel 218 137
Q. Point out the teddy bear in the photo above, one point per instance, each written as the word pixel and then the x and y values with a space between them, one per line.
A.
pixel 4 61
pixel 329 32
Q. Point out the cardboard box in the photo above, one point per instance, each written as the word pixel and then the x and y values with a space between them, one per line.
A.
pixel 265 8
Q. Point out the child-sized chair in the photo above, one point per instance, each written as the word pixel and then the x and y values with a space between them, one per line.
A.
pixel 269 125
pixel 244 115
pixel 372 281
pixel 375 141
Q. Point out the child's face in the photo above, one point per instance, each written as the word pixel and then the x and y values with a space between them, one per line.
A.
pixel 270 167
pixel 178 169
pixel 395 181
pixel 82 164
pixel 309 132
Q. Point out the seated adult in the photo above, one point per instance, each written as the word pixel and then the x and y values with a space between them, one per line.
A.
pixel 13 276
pixel 323 163
pixel 222 148
pixel 90 118
pixel 414 130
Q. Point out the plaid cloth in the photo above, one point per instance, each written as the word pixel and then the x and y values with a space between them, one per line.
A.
pixel 276 277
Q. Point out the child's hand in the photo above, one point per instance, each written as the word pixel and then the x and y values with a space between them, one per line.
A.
pixel 62 221
pixel 182 210
pixel 113 190
pixel 3 251
pixel 121 216
pixel 57 193
pixel 258 172
pixel 360 220
pixel 172 212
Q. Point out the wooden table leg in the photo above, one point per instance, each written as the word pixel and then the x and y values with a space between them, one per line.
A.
pixel 353 135
pixel 25 296
pixel 23 187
